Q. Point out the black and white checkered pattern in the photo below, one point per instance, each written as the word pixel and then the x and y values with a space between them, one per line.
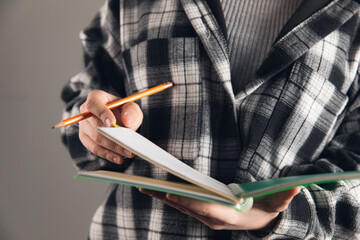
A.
pixel 300 115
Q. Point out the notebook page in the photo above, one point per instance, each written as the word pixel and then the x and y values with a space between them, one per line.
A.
pixel 152 153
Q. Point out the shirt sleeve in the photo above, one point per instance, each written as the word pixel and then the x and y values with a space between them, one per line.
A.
pixel 103 70
pixel 329 210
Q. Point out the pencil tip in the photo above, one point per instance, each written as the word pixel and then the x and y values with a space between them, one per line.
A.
pixel 58 125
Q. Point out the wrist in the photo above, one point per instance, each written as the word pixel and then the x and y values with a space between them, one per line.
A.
pixel 264 231
pixel 272 223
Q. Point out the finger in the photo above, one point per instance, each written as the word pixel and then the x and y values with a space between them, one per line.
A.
pixel 221 217
pixel 95 122
pixel 211 210
pixel 162 197
pixel 211 222
pixel 99 150
pixel 159 195
pixel 278 202
pixel 99 139
pixel 96 104
pixel 131 115
pixel 286 197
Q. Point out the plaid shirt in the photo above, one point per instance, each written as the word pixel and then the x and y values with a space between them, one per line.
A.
pixel 300 115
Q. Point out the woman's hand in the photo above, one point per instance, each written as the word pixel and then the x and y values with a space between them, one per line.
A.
pixel 128 115
pixel 263 215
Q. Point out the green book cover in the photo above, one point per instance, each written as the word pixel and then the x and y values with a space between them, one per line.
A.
pixel 201 186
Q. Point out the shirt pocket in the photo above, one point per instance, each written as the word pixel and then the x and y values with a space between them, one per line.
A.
pixel 288 120
pixel 319 103
pixel 172 118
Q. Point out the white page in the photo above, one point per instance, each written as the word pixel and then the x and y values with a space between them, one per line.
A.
pixel 147 150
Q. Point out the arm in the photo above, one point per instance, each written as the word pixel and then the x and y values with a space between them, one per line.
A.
pixel 100 83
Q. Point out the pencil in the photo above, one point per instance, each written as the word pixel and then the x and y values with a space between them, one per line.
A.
pixel 115 104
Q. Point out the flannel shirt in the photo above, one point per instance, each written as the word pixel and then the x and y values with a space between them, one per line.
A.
pixel 300 115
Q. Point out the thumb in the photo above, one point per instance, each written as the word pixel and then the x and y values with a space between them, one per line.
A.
pixel 131 115
pixel 96 104
pixel 278 202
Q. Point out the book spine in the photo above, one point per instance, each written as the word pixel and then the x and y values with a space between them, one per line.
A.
pixel 245 203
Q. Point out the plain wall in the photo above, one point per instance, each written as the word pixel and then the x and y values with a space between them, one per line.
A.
pixel 39 52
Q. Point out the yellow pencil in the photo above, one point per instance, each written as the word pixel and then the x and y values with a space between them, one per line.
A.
pixel 115 104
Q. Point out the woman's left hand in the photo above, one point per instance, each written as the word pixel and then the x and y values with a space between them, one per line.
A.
pixel 263 215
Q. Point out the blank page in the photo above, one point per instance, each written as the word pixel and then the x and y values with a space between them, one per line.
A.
pixel 152 153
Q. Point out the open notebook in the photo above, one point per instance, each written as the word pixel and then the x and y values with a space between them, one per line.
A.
pixel 236 195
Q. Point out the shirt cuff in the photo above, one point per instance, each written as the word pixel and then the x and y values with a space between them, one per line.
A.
pixel 293 223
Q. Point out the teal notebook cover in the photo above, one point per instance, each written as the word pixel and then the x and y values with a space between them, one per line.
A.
pixel 269 186
pixel 245 194
pixel 202 187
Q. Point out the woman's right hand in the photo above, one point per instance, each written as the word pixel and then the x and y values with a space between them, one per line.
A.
pixel 128 115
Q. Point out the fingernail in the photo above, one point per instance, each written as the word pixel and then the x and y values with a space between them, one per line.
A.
pixel 172 197
pixel 108 122
pixel 127 152
pixel 116 160
pixel 142 190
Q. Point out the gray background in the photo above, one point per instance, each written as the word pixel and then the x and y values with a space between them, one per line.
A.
pixel 39 51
